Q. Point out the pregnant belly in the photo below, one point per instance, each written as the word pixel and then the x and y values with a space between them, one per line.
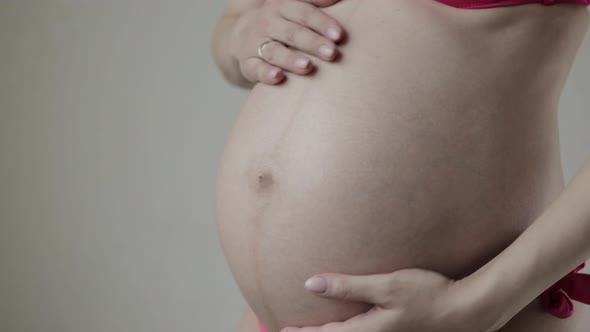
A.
pixel 378 162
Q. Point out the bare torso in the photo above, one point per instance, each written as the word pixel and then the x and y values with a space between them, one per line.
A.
pixel 433 143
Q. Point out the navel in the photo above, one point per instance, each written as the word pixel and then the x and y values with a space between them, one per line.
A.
pixel 264 180
pixel 262 176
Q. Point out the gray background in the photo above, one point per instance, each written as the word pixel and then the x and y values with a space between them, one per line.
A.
pixel 112 121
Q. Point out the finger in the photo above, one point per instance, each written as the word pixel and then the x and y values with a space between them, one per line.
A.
pixel 302 38
pixel 279 55
pixel 373 289
pixel 257 70
pixel 375 320
pixel 320 3
pixel 310 16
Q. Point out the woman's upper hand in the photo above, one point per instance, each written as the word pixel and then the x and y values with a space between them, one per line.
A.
pixel 406 300
pixel 298 24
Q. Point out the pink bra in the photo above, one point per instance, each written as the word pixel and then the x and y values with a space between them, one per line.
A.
pixel 474 4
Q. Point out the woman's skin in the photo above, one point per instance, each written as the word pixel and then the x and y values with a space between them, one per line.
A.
pixel 484 301
pixel 456 112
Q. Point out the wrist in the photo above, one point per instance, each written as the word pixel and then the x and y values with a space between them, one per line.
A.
pixel 477 305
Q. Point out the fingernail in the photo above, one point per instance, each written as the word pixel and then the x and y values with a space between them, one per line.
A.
pixel 273 73
pixel 327 51
pixel 302 63
pixel 333 34
pixel 316 284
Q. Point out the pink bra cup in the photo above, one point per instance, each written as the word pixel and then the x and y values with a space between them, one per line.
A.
pixel 476 4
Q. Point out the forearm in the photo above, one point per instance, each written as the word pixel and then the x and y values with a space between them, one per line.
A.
pixel 553 245
pixel 220 46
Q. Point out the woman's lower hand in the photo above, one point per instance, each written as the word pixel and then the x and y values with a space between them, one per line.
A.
pixel 406 300
pixel 289 25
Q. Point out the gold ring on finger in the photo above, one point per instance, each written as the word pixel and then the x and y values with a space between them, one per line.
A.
pixel 262 46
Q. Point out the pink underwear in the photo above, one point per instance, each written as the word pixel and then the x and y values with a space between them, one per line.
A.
pixel 262 328
pixel 557 299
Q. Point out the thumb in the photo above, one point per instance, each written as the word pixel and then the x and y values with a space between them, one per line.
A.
pixel 373 289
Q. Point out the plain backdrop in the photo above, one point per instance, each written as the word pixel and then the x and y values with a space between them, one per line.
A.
pixel 112 121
